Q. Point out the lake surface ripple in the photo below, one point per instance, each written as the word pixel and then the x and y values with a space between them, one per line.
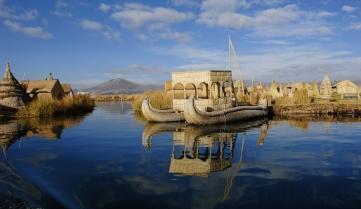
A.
pixel 111 159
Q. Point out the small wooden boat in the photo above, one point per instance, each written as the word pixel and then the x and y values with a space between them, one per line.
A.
pixel 154 115
pixel 242 113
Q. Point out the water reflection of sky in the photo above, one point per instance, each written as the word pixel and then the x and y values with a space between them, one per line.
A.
pixel 100 161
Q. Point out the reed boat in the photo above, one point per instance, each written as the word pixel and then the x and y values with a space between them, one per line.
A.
pixel 154 115
pixel 241 113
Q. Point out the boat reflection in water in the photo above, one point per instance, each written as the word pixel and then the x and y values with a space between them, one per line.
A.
pixel 200 150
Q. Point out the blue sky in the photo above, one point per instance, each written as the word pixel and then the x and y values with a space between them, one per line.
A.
pixel 86 42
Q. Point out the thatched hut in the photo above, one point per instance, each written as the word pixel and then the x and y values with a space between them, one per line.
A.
pixel 275 90
pixel 12 93
pixel 347 89
pixel 68 91
pixel 49 88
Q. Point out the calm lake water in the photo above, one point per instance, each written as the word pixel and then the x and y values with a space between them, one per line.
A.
pixel 110 159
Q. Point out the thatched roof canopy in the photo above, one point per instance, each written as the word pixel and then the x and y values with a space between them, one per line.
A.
pixel 8 77
pixel 67 88
pixel 39 86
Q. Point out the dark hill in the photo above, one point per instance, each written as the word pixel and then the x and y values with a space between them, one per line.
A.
pixel 120 85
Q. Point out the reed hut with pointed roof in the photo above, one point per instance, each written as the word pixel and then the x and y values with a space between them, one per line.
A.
pixel 347 89
pixel 275 90
pixel 12 94
pixel 49 88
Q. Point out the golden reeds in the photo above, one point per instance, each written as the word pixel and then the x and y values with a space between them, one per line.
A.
pixel 47 108
pixel 158 99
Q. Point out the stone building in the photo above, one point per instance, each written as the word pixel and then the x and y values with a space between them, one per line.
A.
pixel 49 88
pixel 12 94
pixel 211 89
pixel 326 87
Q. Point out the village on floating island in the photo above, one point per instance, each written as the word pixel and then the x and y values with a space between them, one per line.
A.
pixel 215 88
pixel 15 94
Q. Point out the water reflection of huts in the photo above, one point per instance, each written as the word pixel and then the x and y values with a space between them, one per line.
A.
pixel 14 94
pixel 303 122
pixel 13 130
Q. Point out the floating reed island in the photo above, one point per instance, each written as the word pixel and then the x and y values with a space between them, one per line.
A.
pixel 214 94
pixel 40 98
pixel 203 98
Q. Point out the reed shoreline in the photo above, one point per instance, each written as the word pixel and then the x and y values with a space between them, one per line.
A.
pixel 49 108
pixel 302 106
pixel 318 109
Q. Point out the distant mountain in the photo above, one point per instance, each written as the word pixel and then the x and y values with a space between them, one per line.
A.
pixel 120 85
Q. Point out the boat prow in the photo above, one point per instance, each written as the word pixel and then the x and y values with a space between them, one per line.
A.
pixel 151 129
pixel 154 115
pixel 241 113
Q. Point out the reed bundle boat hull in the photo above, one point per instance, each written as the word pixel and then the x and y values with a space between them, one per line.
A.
pixel 154 115
pixel 242 113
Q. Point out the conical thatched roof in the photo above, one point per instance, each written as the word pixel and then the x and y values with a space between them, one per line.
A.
pixel 9 77
pixel 11 92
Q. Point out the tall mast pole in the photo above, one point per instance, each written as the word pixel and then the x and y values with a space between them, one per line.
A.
pixel 229 54
pixel 232 52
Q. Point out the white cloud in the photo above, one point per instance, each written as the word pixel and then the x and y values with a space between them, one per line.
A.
pixel 36 32
pixel 29 15
pixel 133 15
pixel 348 8
pixel 326 14
pixel 273 21
pixel 284 63
pixel 10 13
pixel 234 5
pixel 187 3
pixel 149 23
pixel 104 7
pixel 59 4
pixel 355 26
pixel 62 13
pixel 61 9
pixel 165 34
pixel 139 73
pixel 105 30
